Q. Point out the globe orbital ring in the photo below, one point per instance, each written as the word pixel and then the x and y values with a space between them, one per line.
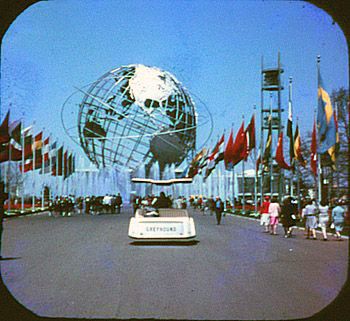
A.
pixel 108 95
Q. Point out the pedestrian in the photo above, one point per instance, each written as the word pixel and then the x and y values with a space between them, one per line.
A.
pixel 113 203
pixel 184 203
pixel 87 205
pixel 288 216
pixel 219 207
pixel 309 212
pixel 323 218
pixel 274 211
pixel 162 201
pixel 338 218
pixel 264 214
pixel 211 205
pixel 118 202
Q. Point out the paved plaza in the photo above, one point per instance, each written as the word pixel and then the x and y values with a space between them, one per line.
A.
pixel 85 266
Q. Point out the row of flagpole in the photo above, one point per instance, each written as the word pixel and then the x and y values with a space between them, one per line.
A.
pixel 324 141
pixel 205 161
pixel 33 153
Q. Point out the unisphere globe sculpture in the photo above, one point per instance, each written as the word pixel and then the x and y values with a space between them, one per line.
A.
pixel 136 115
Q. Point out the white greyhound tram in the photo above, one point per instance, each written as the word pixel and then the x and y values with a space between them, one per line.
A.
pixel 161 224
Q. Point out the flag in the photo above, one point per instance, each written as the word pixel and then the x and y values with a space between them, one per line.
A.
pixel 258 162
pixel 297 148
pixel 239 146
pixel 184 173
pixel 16 154
pixel 279 153
pixel 313 157
pixel 215 157
pixel 28 140
pixel 65 164
pixel 4 129
pixel 194 166
pixel 267 153
pixel 203 162
pixel 70 164
pixel 333 151
pixel 37 149
pixel 59 169
pixel 326 123
pixel 290 132
pixel 46 151
pixel 28 166
pixel 15 130
pixel 228 153
pixel 250 133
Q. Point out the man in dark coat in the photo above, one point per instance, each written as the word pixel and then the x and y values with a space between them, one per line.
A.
pixel 118 202
pixel 219 207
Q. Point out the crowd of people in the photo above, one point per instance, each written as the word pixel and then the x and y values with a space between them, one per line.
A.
pixel 315 215
pixel 203 204
pixel 271 212
pixel 68 205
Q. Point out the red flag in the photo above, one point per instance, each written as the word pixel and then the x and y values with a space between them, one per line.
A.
pixel 313 157
pixel 215 157
pixel 4 130
pixel 65 164
pixel 250 133
pixel 46 150
pixel 16 154
pixel 28 166
pixel 28 142
pixel 228 153
pixel 37 148
pixel 279 153
pixel 240 146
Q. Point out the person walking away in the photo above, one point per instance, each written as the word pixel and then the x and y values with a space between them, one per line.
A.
pixel 264 214
pixel 288 217
pixel 211 205
pixel 323 218
pixel 338 218
pixel 274 211
pixel 113 203
pixel 87 205
pixel 219 207
pixel 309 212
pixel 118 202
pixel 184 203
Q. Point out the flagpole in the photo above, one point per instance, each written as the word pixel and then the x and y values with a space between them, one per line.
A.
pixel 33 172
pixel 50 169
pixel 56 171
pixel 319 155
pixel 243 180
pixel 233 183
pixel 62 180
pixel 336 159
pixel 290 156
pixel 317 170
pixel 22 169
pixel 256 172
pixel 298 172
pixel 8 175
pixel 261 134
pixel 270 156
pixel 42 173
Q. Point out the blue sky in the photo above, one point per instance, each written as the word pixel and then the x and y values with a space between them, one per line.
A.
pixel 213 47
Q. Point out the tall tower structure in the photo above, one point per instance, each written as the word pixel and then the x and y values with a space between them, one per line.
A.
pixel 271 181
